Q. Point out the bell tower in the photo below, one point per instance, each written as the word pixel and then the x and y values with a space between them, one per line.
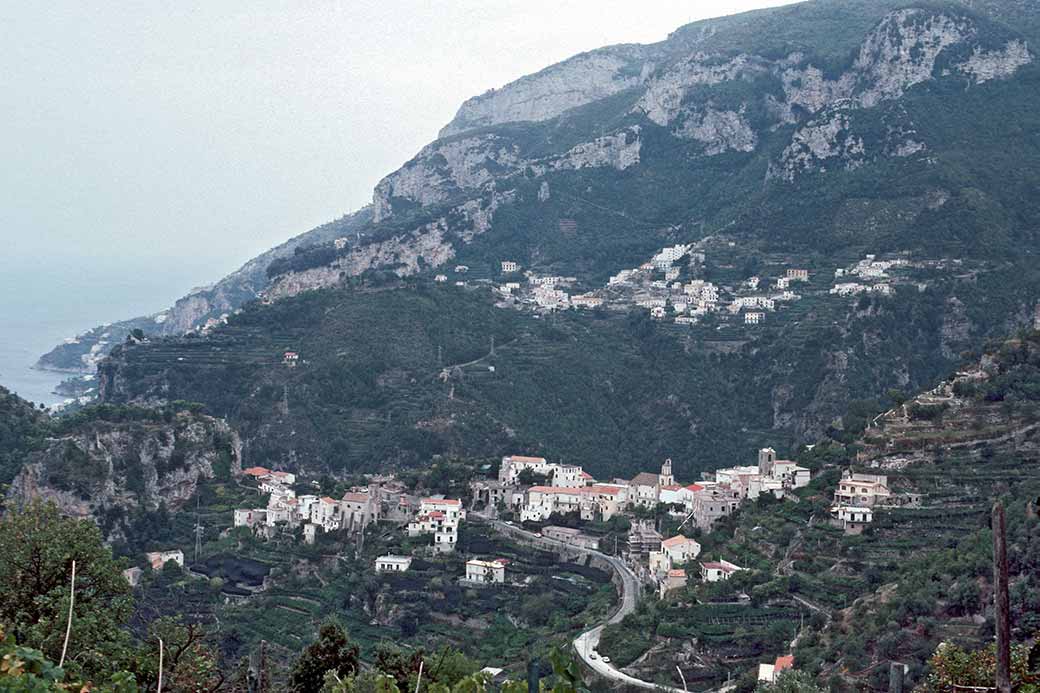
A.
pixel 666 478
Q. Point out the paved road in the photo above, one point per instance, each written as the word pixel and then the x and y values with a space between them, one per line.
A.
pixel 586 643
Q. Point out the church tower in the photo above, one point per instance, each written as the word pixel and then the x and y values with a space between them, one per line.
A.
pixel 766 458
pixel 666 478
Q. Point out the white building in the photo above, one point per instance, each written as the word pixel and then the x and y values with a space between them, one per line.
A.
pixel 510 266
pixel 754 318
pixel 680 549
pixel 861 490
pixel 715 571
pixel 440 517
pixel 393 564
pixel 157 559
pixel 491 572
pixel 850 518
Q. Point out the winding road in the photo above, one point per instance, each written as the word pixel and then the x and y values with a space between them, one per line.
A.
pixel 585 644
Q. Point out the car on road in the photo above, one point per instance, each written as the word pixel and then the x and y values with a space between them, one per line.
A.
pixel 606 660
pixel 593 655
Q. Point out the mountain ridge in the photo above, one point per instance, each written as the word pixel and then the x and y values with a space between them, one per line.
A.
pixel 469 171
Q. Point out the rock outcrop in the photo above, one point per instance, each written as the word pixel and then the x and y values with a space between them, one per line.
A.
pixel 113 468
pixel 574 82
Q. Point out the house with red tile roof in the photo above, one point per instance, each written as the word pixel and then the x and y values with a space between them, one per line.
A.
pixel 769 673
pixel 714 571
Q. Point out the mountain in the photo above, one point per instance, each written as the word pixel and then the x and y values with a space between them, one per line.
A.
pixel 810 136
pixel 727 124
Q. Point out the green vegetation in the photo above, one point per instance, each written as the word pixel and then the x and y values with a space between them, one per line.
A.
pixel 21 427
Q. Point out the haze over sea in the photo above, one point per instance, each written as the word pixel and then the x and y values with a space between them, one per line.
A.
pixel 48 300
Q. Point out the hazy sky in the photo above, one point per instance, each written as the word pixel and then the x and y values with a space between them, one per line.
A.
pixel 147 147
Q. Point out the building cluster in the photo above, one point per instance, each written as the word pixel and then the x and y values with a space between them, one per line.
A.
pixel 535 489
pixel 314 513
pixel 553 488
pixel 869 275
pixel 658 287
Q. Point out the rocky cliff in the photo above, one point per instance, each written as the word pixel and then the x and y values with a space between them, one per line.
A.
pixel 774 94
pixel 107 465
pixel 787 112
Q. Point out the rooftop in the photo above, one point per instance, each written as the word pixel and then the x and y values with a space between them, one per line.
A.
pixel 645 479
pixel 256 471
pixel 678 540
pixel 524 458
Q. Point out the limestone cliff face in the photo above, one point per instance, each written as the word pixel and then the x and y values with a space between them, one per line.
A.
pixel 443 169
pixel 575 82
pixel 113 468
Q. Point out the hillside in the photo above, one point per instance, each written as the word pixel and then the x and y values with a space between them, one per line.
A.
pixel 390 375
pixel 126 468
pixel 920 574
pixel 21 425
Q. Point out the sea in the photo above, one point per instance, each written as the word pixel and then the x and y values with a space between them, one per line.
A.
pixel 43 304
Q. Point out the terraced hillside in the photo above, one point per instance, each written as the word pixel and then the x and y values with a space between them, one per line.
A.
pixel 390 376
pixel 921 573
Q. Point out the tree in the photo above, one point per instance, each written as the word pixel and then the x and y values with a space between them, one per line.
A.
pixel 27 670
pixel 952 667
pixel 189 664
pixel 38 547
pixel 332 652
pixel 791 681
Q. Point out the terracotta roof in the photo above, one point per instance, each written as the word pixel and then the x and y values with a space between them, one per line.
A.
pixel 256 471
pixel 524 458
pixel 586 475
pixel 677 573
pixel 280 475
pixel 441 501
pixel 326 499
pixel 556 489
pixel 671 487
pixel 695 487
pixel 355 497
pixel 600 488
pixel 713 565
pixel 645 479
pixel 677 541
pixel 782 663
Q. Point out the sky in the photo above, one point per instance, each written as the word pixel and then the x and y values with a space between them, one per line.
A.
pixel 154 146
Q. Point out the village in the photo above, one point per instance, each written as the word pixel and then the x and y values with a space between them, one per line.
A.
pixel 671 286
pixel 531 500
pixel 531 491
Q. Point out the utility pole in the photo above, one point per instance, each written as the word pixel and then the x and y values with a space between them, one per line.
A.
pixel 1000 597
pixel 895 677
pixel 492 345
pixel 532 676
pixel 198 530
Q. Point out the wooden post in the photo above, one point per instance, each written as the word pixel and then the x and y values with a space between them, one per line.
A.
pixel 1002 604
pixel 895 677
